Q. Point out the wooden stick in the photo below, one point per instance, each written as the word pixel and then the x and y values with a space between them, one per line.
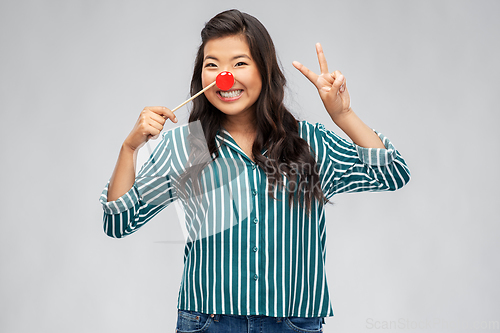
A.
pixel 198 94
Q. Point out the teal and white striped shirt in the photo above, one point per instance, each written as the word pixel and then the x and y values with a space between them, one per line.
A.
pixel 246 253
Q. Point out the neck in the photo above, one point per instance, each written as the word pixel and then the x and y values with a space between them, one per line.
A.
pixel 241 123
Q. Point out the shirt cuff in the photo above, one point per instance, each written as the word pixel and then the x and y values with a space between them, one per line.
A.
pixel 120 205
pixel 377 156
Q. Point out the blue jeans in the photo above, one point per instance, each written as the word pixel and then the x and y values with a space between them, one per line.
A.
pixel 197 322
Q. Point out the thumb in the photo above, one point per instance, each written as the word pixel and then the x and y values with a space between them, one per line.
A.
pixel 339 80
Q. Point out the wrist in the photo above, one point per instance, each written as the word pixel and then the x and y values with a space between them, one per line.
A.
pixel 342 116
pixel 128 149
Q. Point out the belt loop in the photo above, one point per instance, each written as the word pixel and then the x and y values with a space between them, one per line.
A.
pixel 323 320
pixel 278 319
pixel 216 317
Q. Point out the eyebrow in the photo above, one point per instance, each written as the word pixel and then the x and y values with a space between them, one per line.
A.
pixel 233 58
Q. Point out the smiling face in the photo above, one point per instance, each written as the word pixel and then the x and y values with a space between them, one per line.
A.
pixel 233 55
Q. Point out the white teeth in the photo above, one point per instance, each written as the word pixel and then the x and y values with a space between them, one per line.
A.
pixel 229 94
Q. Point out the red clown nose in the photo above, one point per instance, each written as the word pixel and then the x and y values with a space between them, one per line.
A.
pixel 225 80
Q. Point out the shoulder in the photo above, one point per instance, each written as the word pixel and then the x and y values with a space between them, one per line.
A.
pixel 176 133
pixel 305 129
pixel 313 132
pixel 179 130
pixel 304 124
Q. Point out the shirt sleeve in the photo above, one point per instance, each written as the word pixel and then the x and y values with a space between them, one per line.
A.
pixel 152 192
pixel 346 167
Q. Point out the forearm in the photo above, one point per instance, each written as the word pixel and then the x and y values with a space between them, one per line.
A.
pixel 357 130
pixel 123 177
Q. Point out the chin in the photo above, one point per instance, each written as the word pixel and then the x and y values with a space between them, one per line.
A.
pixel 229 112
pixel 227 109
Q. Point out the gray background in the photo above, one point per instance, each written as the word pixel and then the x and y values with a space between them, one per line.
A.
pixel 76 74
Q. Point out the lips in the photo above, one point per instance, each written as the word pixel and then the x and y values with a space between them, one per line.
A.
pixel 230 95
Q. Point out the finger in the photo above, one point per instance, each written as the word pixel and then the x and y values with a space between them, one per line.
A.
pixel 339 80
pixel 157 118
pixel 169 114
pixel 154 133
pixel 313 77
pixel 338 75
pixel 323 66
pixel 156 125
pixel 343 86
pixel 163 111
pixel 335 74
pixel 341 77
pixel 156 109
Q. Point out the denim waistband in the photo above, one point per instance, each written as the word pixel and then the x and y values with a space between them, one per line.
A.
pixel 278 319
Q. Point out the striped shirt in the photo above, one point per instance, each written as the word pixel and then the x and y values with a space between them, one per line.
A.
pixel 247 253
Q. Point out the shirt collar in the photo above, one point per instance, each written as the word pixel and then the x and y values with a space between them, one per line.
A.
pixel 224 137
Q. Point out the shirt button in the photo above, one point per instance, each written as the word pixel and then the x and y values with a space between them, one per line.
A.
pixel 253 166
pixel 255 249
pixel 255 277
pixel 254 192
pixel 255 220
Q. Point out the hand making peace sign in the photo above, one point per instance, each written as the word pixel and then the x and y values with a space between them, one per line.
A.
pixel 331 86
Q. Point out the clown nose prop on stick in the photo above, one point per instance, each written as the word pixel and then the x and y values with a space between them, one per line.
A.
pixel 224 80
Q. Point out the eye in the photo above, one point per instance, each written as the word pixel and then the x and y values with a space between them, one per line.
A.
pixel 210 64
pixel 241 63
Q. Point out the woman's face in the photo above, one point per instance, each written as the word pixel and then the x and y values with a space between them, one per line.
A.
pixel 233 55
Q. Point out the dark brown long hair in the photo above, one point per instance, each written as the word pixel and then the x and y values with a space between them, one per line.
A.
pixel 277 129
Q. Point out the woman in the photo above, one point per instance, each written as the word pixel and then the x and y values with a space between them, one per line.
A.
pixel 253 182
